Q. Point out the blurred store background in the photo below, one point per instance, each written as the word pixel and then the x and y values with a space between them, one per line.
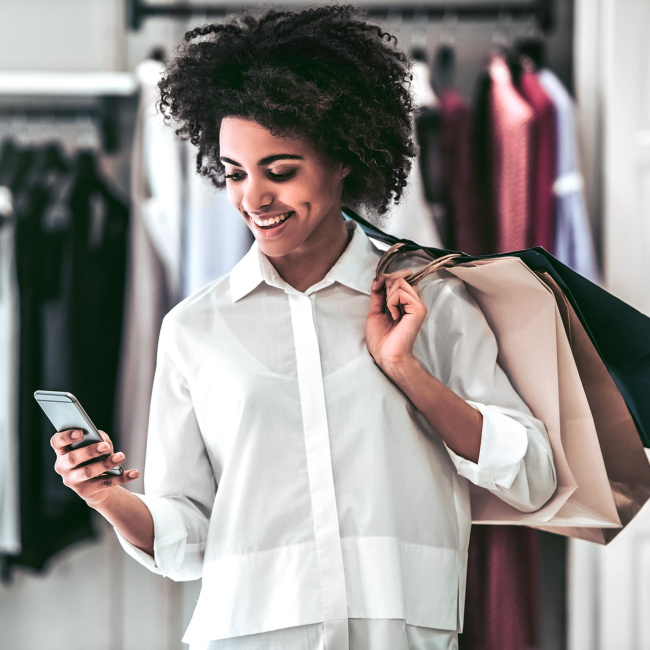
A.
pixel 104 226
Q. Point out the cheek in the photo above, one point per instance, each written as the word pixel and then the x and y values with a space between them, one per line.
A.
pixel 232 194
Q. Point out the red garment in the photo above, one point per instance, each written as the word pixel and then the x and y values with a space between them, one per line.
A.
pixel 512 121
pixel 543 159
pixel 501 601
pixel 459 177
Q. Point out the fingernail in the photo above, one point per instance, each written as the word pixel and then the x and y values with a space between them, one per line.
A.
pixel 374 284
pixel 77 435
pixel 117 458
pixel 103 446
pixel 133 473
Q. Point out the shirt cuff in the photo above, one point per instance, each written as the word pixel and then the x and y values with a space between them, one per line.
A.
pixel 169 538
pixel 504 442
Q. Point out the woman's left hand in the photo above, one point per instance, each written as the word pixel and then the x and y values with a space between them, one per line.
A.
pixel 394 320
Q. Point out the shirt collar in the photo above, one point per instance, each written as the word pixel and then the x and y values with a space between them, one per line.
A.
pixel 354 269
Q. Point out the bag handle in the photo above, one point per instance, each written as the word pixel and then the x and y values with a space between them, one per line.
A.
pixel 401 247
pixel 413 278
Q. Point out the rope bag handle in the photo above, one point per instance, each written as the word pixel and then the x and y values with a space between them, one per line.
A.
pixel 413 278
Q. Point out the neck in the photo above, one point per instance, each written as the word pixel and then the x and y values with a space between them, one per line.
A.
pixel 302 269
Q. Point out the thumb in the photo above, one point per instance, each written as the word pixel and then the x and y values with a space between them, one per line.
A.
pixel 377 299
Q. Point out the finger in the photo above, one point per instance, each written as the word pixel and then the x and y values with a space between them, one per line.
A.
pixel 393 304
pixel 389 278
pixel 109 481
pixel 408 290
pixel 405 288
pixel 62 439
pixel 378 282
pixel 105 437
pixel 75 457
pixel 401 302
pixel 93 470
pixel 377 299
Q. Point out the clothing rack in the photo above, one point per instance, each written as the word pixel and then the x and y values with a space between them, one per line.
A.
pixel 68 95
pixel 541 10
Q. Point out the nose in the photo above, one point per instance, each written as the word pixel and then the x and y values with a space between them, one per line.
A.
pixel 256 196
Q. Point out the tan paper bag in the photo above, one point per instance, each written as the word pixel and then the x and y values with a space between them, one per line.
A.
pixel 602 469
pixel 534 352
pixel 625 460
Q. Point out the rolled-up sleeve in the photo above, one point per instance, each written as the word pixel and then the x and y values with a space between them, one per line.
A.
pixel 458 347
pixel 179 481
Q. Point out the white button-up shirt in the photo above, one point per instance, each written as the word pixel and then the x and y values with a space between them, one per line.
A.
pixel 291 475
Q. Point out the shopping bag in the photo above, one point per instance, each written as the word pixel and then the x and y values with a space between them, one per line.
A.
pixel 627 468
pixel 619 333
pixel 597 434
pixel 534 352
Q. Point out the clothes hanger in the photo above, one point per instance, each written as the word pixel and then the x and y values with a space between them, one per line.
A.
pixel 49 159
pixel 418 49
pixel 424 95
pixel 443 70
pixel 532 47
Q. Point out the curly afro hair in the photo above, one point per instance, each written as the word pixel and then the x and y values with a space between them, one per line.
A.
pixel 323 73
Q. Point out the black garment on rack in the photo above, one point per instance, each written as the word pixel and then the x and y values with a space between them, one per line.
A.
pixel 483 151
pixel 70 257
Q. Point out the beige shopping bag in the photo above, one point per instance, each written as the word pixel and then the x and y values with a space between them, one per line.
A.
pixel 535 353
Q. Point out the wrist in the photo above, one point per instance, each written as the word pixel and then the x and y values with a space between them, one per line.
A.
pixel 104 500
pixel 402 370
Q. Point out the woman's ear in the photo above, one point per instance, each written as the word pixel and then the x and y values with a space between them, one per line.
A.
pixel 343 171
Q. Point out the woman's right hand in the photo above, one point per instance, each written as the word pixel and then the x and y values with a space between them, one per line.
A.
pixel 87 481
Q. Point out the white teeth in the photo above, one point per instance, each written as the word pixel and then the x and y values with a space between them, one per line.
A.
pixel 273 220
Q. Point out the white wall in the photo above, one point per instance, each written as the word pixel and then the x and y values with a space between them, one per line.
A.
pixel 80 35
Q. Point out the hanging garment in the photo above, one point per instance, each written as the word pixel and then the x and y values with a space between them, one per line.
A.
pixel 416 213
pixel 459 178
pixel 573 243
pixel 9 336
pixel 369 526
pixel 502 140
pixel 543 161
pixel 486 216
pixel 429 161
pixel 511 124
pixel 421 89
pixel 98 240
pixel 161 195
pixel 215 235
pixel 70 240
pixel 153 276
pixel 412 217
pixel 70 243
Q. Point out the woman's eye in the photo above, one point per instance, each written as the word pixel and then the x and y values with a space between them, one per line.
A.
pixel 283 176
pixel 236 176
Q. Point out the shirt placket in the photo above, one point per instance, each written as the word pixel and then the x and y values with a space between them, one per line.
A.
pixel 319 468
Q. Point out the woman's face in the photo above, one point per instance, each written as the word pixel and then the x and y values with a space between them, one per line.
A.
pixel 288 194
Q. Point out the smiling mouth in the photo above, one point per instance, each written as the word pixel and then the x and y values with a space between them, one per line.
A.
pixel 271 222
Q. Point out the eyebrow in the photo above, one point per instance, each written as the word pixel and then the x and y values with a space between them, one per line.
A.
pixel 265 161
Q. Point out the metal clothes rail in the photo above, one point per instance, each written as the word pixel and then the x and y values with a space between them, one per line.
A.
pixel 542 10
pixel 68 95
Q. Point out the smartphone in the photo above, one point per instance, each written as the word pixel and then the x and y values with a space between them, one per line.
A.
pixel 65 412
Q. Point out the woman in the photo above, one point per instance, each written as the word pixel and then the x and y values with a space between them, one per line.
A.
pixel 312 429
